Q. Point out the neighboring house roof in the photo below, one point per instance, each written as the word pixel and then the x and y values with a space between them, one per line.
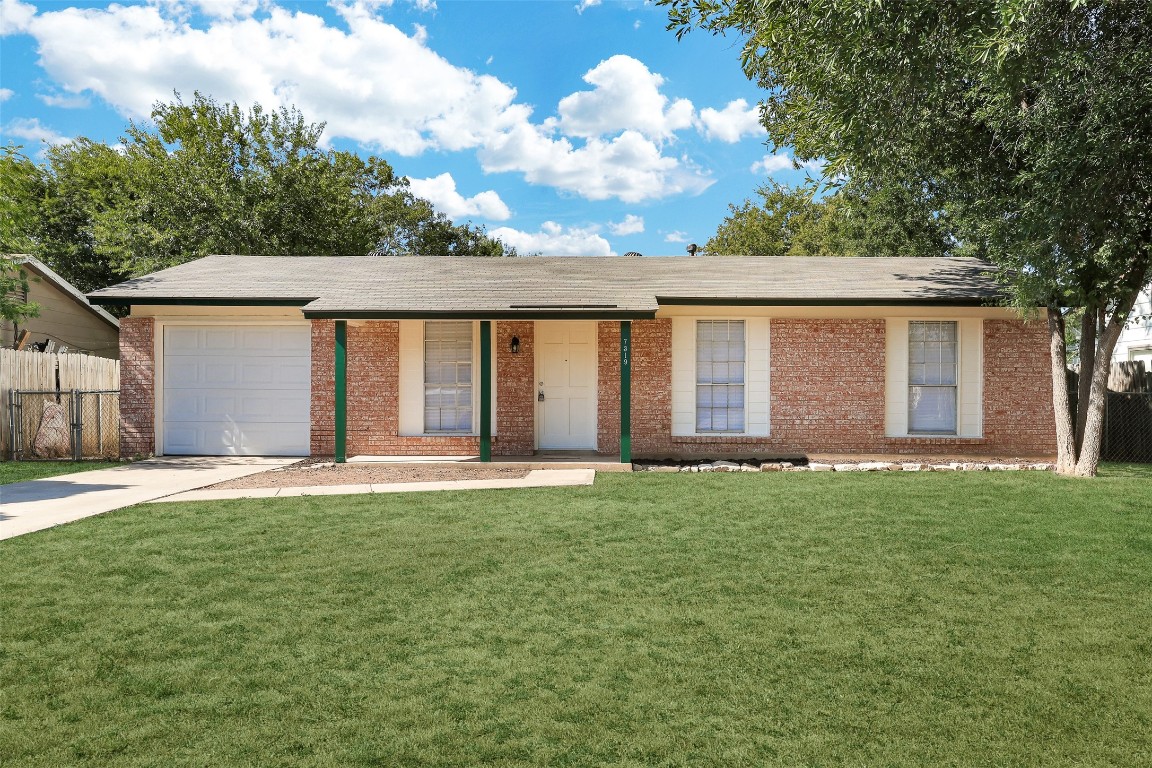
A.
pixel 44 272
pixel 546 286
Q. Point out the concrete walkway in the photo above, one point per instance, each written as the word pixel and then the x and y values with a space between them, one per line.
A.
pixel 537 478
pixel 38 504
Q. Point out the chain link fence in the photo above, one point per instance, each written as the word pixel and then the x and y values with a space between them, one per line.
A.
pixel 1128 427
pixel 64 424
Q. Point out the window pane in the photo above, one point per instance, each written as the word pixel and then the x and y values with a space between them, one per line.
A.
pixel 720 376
pixel 932 409
pixel 448 376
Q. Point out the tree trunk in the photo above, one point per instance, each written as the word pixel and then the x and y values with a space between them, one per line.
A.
pixel 1089 459
pixel 1065 428
pixel 1088 324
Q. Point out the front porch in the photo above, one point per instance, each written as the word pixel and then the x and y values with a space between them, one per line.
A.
pixel 380 377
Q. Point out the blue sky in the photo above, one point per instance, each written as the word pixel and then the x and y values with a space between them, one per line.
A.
pixel 565 127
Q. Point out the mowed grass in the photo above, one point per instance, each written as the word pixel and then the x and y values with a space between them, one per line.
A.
pixel 697 620
pixel 19 471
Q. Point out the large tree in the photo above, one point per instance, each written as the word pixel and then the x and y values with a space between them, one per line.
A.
pixel 1026 119
pixel 207 178
pixel 848 220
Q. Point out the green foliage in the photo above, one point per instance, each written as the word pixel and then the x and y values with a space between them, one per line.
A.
pixel 863 619
pixel 852 220
pixel 13 290
pixel 1029 120
pixel 213 178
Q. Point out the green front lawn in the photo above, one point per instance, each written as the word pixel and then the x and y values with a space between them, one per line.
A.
pixel 652 619
pixel 19 471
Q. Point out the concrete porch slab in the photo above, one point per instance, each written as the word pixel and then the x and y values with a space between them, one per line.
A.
pixel 599 463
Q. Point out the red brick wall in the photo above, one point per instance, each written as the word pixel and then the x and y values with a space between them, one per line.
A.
pixel 516 390
pixel 608 387
pixel 1018 386
pixel 137 387
pixel 827 380
pixel 323 412
pixel 827 394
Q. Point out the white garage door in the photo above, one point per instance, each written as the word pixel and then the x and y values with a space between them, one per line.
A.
pixel 238 390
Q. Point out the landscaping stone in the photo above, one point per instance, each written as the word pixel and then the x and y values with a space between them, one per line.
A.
pixel 770 467
pixel 912 467
pixel 1043 467
pixel 973 466
pixel 749 468
pixel 846 467
pixel 817 467
pixel 725 466
pixel 876 466
pixel 664 468
pixel 943 468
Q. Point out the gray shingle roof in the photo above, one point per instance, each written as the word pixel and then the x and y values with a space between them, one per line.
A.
pixel 375 286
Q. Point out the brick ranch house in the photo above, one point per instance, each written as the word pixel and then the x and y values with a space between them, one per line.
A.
pixel 622 356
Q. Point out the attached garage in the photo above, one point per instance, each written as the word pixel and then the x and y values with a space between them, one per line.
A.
pixel 235 390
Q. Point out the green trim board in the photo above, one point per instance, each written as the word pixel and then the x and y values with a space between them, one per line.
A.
pixel 693 301
pixel 625 392
pixel 485 390
pixel 340 372
pixel 465 314
pixel 119 301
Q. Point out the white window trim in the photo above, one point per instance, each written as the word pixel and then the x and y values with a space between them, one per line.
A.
pixel 957 367
pixel 410 403
pixel 969 377
pixel 743 382
pixel 757 376
pixel 473 427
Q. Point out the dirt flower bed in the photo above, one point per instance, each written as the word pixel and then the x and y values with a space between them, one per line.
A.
pixel 310 472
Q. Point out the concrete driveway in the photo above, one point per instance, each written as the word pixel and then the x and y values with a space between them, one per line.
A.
pixel 38 504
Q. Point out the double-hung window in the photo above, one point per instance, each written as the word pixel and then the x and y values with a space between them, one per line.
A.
pixel 448 376
pixel 720 354
pixel 932 364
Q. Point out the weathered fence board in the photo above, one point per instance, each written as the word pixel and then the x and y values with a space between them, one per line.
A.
pixel 25 370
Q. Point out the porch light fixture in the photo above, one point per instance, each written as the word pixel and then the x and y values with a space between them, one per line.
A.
pixel 514 345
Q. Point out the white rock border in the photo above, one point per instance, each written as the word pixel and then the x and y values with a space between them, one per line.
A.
pixel 863 466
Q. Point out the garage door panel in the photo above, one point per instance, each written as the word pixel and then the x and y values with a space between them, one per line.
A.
pixel 242 390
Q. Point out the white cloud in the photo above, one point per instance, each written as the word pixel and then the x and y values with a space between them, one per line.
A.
pixel 375 85
pixel 219 9
pixel 732 123
pixel 770 164
pixel 372 83
pixel 628 167
pixel 15 16
pixel 586 4
pixel 555 240
pixel 73 101
pixel 631 225
pixel 6 93
pixel 626 97
pixel 676 237
pixel 441 192
pixel 30 129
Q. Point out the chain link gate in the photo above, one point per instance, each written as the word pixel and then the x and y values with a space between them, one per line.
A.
pixel 61 424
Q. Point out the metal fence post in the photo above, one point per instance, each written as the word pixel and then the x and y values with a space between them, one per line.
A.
pixel 100 425
pixel 77 426
pixel 12 424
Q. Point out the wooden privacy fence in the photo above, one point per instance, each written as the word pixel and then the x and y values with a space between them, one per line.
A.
pixel 55 376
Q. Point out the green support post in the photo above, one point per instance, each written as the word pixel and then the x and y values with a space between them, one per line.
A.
pixel 485 390
pixel 341 392
pixel 625 392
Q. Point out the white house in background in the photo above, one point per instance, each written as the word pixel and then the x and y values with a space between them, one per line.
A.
pixel 1136 341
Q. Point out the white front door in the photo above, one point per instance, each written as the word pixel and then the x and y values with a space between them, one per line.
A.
pixel 566 374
